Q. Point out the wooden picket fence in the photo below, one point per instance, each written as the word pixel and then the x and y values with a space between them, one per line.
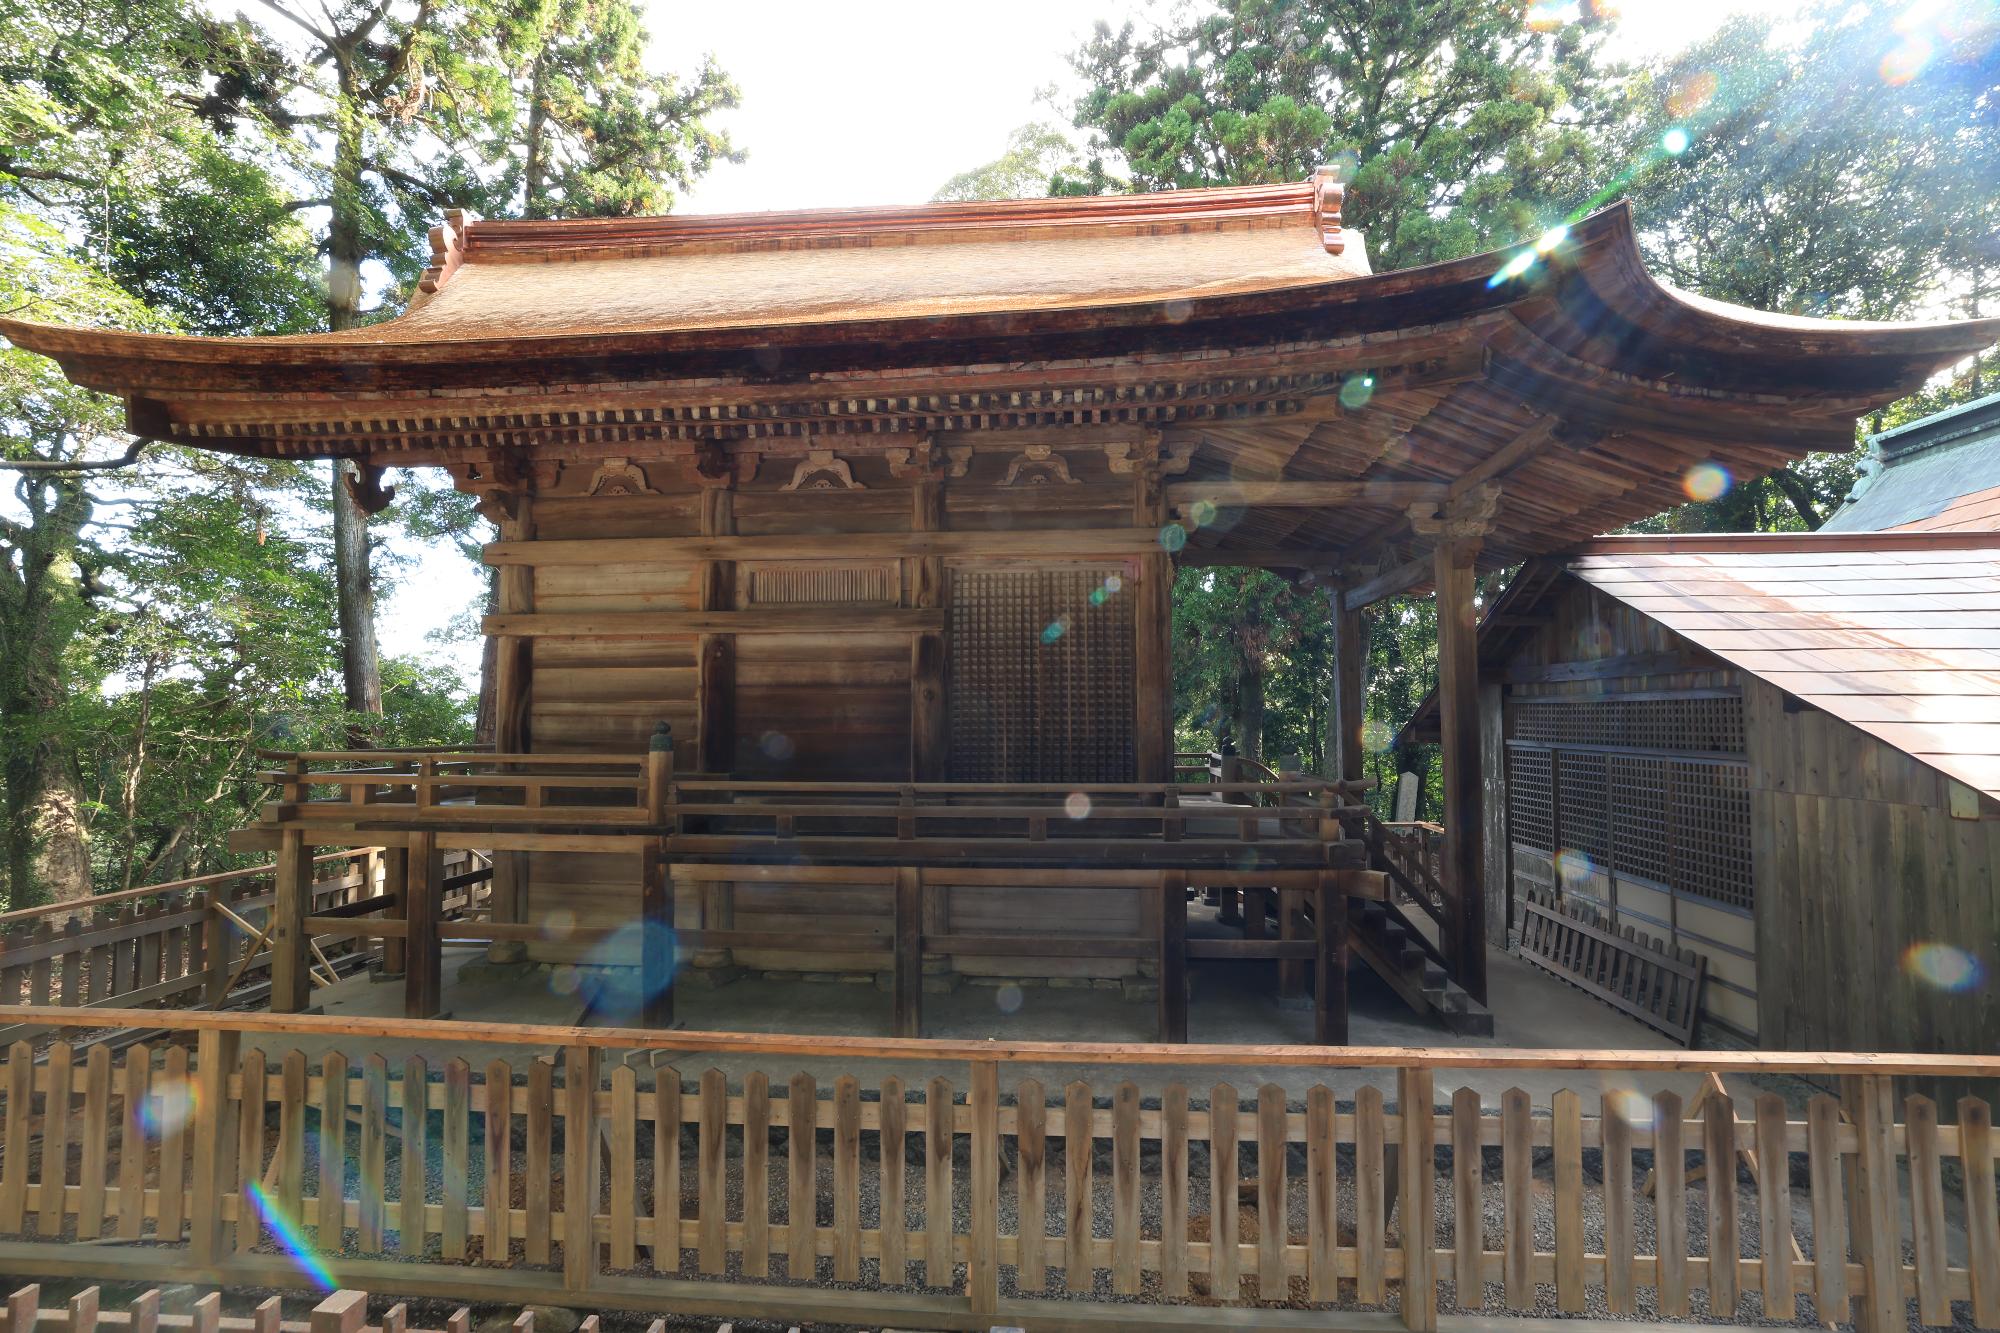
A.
pixel 579 1171
pixel 343 1311
pixel 192 941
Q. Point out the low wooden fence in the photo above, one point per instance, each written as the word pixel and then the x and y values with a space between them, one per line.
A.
pixel 344 1311
pixel 191 941
pixel 580 1167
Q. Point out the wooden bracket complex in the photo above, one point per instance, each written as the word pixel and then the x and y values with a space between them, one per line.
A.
pixel 823 470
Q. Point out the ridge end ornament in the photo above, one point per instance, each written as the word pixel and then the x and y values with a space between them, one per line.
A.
pixel 1328 196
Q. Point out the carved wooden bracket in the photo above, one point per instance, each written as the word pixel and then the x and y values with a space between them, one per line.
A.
pixel 920 462
pixel 1328 196
pixel 958 459
pixel 619 476
pixel 823 470
pixel 715 465
pixel 1126 459
pixel 365 488
pixel 1465 517
pixel 1037 465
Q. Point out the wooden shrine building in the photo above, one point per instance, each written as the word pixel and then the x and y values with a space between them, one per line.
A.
pixel 865 522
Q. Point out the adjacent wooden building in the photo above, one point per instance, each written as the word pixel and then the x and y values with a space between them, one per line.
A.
pixel 877 512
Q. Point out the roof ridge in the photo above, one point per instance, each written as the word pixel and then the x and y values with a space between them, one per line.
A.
pixel 1697 543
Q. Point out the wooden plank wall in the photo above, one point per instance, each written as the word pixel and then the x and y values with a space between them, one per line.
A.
pixel 1860 863
pixel 1595 645
pixel 841 701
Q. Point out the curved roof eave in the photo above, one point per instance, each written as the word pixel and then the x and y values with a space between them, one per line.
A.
pixel 1598 266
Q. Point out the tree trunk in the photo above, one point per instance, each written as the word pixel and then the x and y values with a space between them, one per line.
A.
pixel 1250 711
pixel 354 582
pixel 486 724
pixel 48 850
pixel 535 168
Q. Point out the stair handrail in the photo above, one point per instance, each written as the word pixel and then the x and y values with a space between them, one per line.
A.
pixel 1390 850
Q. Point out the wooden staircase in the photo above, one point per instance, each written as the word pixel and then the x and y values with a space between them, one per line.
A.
pixel 1396 946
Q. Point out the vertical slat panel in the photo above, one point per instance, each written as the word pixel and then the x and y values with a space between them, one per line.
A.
pixel 457 1156
pixel 14 1158
pixel 982 1271
pixel 1271 1209
pixel 1670 1205
pixel 497 1130
pixel 624 1129
pixel 1078 1271
pixel 332 1151
pixel 937 1184
pixel 802 1175
pixel 1322 1204
pixel 846 1179
pixel 416 1151
pixel 55 1138
pixel 1926 1211
pixel 137 1086
pixel 1774 1206
pixel 1125 1189
pixel 1416 1102
pixel 1724 1246
pixel 374 1150
pixel 1225 1282
pixel 537 1238
pixel 709 1167
pixel 1566 1110
pixel 895 1266
pixel 666 1169
pixel 1173 1191
pixel 96 1142
pixel 1370 1222
pixel 1517 1188
pixel 757 1174
pixel 583 1165
pixel 1468 1199
pixel 1982 1210
pixel 291 1156
pixel 1619 1286
pixel 173 1097
pixel 1829 1209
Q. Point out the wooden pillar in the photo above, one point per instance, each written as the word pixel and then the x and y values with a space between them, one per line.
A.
pixel 1173 956
pixel 907 979
pixel 656 938
pixel 1330 962
pixel 423 966
pixel 1347 710
pixel 923 587
pixel 1291 927
pixel 396 879
pixel 214 1145
pixel 513 685
pixel 1464 932
pixel 291 981
pixel 715 663
pixel 1152 637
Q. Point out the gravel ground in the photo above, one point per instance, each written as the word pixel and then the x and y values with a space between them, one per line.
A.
pixel 1749 1311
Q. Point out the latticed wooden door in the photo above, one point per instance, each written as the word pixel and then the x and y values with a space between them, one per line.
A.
pixel 1040 675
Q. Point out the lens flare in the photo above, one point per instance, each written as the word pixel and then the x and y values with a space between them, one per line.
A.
pixel 1513 268
pixel 170 1108
pixel 1009 998
pixel 1355 392
pixel 1944 967
pixel 1691 92
pixel 613 982
pixel 1674 141
pixel 1706 481
pixel 1376 736
pixel 1055 629
pixel 291 1239
pixel 1574 867
pixel 1173 538
pixel 1548 16
pixel 559 924
pixel 1547 242
pixel 1202 512
pixel 777 745
pixel 1077 805
pixel 1905 61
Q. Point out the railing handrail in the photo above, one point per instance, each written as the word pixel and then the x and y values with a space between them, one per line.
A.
pixel 443 1032
pixel 170 886
pixel 455 755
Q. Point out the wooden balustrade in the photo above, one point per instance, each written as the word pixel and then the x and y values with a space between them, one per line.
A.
pixel 194 941
pixel 675 1175
pixel 342 1311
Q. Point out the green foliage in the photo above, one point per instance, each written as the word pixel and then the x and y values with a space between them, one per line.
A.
pixel 1038 156
pixel 1458 123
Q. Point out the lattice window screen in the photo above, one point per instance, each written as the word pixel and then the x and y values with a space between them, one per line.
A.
pixel 1041 681
pixel 1635 807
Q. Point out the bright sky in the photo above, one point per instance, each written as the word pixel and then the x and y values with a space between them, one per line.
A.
pixel 881 102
